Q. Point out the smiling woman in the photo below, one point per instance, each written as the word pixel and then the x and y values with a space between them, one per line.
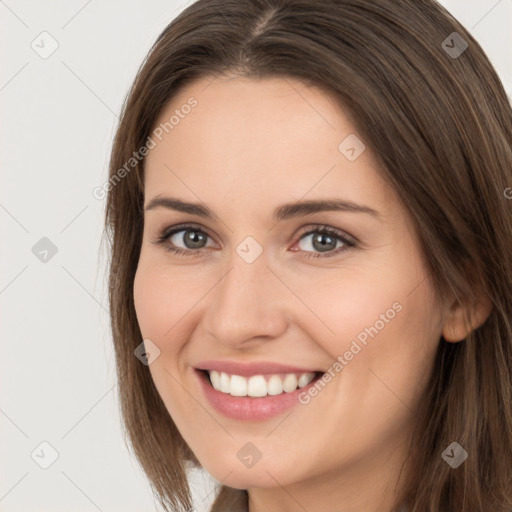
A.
pixel 328 222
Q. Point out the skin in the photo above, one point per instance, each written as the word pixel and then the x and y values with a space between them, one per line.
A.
pixel 246 148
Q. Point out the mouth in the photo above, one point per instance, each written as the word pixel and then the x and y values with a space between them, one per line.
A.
pixel 258 386
pixel 263 391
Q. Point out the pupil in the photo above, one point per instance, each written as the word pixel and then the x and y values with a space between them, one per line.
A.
pixel 322 245
pixel 194 237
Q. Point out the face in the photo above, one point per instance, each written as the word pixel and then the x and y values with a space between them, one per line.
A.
pixel 338 295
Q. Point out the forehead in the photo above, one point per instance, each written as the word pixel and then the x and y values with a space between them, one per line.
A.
pixel 265 140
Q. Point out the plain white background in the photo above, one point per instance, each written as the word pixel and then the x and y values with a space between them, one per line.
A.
pixel 57 369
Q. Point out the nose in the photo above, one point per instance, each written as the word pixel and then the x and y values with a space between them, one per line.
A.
pixel 248 306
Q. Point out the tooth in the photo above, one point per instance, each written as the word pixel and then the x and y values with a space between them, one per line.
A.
pixel 305 379
pixel 215 378
pixel 257 386
pixel 274 385
pixel 238 386
pixel 290 383
pixel 224 382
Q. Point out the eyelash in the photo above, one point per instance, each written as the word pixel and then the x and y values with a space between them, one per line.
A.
pixel 164 236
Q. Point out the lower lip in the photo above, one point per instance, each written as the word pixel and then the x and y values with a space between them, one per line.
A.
pixel 247 407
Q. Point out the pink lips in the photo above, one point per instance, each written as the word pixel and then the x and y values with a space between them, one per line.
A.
pixel 246 407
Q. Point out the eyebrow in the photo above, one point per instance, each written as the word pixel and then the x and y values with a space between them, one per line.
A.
pixel 283 212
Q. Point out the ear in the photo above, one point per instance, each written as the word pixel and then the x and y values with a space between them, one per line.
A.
pixel 461 320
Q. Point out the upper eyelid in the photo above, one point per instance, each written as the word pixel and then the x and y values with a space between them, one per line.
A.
pixel 176 229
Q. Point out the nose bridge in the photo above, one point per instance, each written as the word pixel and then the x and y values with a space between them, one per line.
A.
pixel 246 302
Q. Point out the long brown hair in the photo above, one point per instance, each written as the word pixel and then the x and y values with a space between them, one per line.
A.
pixel 439 121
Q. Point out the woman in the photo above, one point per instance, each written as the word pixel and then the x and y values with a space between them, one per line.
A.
pixel 310 279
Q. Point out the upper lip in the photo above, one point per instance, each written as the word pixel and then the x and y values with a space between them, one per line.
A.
pixel 250 369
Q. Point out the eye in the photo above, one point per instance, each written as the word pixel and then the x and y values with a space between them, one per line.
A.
pixel 192 236
pixel 325 239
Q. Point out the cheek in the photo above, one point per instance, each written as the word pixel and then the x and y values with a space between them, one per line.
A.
pixel 159 300
pixel 346 306
pixel 381 318
pixel 146 297
pixel 160 304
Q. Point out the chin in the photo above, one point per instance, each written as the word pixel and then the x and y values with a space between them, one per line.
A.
pixel 240 477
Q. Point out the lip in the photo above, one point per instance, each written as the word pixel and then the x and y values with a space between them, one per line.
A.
pixel 250 369
pixel 249 408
